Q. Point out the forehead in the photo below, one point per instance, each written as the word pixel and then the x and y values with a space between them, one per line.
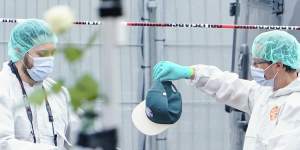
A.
pixel 43 47
pixel 258 60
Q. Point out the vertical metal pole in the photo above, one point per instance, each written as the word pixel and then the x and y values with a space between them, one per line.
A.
pixel 234 11
pixel 234 36
pixel 147 52
pixel 150 141
pixel 236 136
pixel 149 57
pixel 157 53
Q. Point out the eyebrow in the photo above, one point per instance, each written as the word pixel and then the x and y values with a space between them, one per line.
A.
pixel 45 51
pixel 261 62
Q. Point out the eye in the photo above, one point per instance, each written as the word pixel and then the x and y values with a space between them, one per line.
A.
pixel 46 53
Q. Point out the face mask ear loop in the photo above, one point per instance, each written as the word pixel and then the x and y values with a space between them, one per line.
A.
pixel 274 84
pixel 275 79
pixel 268 67
pixel 23 60
pixel 275 75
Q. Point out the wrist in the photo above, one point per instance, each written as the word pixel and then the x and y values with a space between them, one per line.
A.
pixel 193 73
pixel 190 73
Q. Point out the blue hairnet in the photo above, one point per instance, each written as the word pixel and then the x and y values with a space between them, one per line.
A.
pixel 28 34
pixel 277 46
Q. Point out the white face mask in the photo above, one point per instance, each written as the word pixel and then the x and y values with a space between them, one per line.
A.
pixel 258 75
pixel 42 68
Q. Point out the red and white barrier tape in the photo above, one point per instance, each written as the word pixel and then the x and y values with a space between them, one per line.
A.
pixel 178 25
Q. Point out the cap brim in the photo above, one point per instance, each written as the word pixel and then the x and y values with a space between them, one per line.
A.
pixel 144 124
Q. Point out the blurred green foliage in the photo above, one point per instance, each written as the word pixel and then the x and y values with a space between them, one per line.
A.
pixel 72 53
pixel 57 87
pixel 84 90
pixel 37 97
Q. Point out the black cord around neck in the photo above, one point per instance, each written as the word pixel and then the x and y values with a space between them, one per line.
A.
pixel 28 108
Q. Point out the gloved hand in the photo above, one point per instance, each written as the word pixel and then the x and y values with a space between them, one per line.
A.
pixel 165 70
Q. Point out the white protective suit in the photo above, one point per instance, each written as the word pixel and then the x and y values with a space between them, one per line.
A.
pixel 15 128
pixel 275 116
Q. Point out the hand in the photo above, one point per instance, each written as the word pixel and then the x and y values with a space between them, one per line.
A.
pixel 165 70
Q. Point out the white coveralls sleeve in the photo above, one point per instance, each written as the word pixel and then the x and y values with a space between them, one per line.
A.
pixel 226 87
pixel 7 138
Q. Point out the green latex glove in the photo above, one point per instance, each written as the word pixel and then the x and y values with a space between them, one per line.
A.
pixel 165 70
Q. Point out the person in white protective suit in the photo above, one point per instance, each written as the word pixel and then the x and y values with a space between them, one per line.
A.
pixel 25 126
pixel 275 110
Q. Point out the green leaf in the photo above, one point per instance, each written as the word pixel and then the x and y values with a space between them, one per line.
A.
pixel 88 86
pixel 37 97
pixel 76 98
pixel 85 89
pixel 72 53
pixel 57 87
